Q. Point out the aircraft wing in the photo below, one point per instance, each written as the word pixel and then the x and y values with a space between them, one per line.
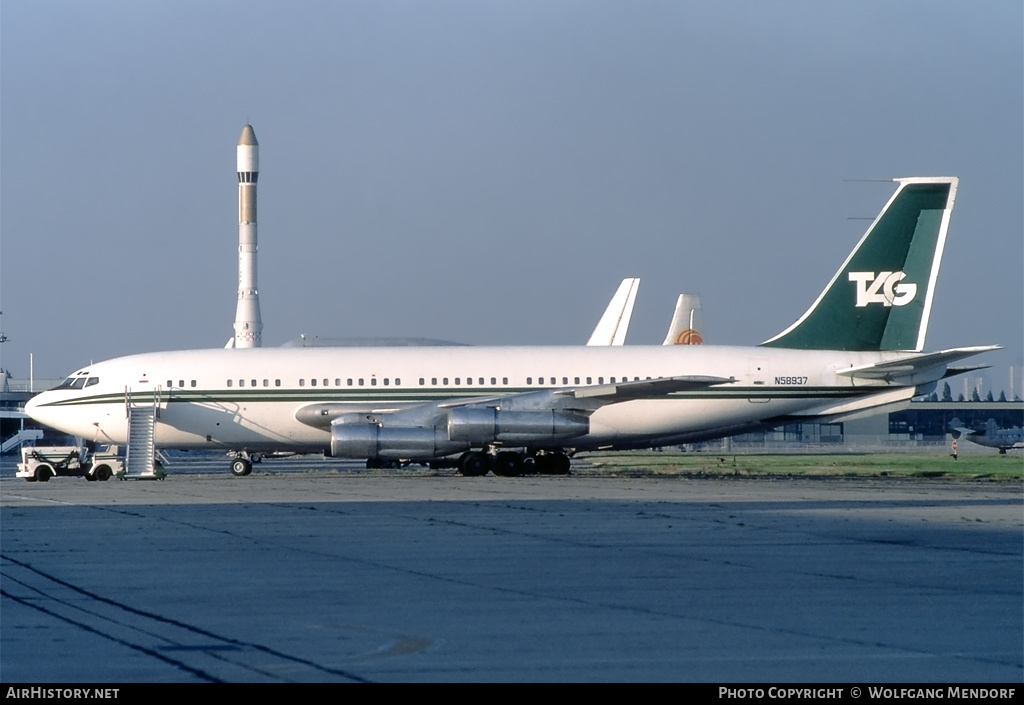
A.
pixel 590 398
pixel 648 389
pixel 580 399
pixel 904 370
pixel 963 369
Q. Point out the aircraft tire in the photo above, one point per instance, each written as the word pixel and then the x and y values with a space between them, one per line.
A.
pixel 240 467
pixel 508 464
pixel 474 464
pixel 553 464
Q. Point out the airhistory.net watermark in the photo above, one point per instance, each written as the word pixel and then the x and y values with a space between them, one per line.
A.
pixel 41 693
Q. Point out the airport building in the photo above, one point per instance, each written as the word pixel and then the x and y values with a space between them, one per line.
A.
pixel 920 425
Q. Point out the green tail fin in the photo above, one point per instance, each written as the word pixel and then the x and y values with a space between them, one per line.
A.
pixel 881 297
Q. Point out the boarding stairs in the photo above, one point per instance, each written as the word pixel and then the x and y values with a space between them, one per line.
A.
pixel 140 455
pixel 25 435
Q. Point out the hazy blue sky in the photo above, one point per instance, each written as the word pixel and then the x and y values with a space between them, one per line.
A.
pixel 487 172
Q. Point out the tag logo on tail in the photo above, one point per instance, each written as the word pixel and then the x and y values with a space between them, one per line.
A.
pixel 881 296
pixel 884 289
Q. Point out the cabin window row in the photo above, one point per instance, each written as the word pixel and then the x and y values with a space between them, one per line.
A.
pixel 458 381
pixel 434 381
pixel 576 380
pixel 351 382
pixel 252 383
pixel 181 383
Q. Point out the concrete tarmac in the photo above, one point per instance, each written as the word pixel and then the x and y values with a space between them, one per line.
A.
pixel 324 576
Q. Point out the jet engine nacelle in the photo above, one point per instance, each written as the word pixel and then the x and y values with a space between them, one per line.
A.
pixel 475 425
pixel 350 440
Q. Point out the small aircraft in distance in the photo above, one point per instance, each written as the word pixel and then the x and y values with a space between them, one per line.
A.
pixel 520 409
pixel 992 436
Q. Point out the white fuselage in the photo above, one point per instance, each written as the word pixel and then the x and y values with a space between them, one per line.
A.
pixel 248 398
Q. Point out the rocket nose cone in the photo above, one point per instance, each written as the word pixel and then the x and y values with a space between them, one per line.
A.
pixel 248 138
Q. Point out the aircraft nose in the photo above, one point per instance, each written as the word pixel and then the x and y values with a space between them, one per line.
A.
pixel 34 408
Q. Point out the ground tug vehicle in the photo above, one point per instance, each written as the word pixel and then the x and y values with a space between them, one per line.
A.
pixel 40 463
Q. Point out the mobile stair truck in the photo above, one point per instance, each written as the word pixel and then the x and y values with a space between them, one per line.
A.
pixel 97 462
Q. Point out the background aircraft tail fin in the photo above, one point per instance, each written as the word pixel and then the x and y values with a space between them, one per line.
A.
pixel 687 322
pixel 611 329
pixel 881 298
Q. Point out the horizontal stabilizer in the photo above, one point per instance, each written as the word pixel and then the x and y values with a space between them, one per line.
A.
pixel 902 369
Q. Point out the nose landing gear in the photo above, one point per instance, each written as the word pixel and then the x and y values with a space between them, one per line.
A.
pixel 242 463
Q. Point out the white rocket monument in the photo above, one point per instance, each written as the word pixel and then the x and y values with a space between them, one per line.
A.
pixel 248 324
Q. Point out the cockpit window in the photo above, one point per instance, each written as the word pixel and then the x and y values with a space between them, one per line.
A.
pixel 78 382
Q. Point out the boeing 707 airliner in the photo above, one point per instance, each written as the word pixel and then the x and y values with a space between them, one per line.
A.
pixel 512 410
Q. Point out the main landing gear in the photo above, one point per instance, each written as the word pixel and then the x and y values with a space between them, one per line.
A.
pixel 383 463
pixel 513 464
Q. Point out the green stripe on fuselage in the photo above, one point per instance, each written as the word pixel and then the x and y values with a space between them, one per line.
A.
pixel 412 396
